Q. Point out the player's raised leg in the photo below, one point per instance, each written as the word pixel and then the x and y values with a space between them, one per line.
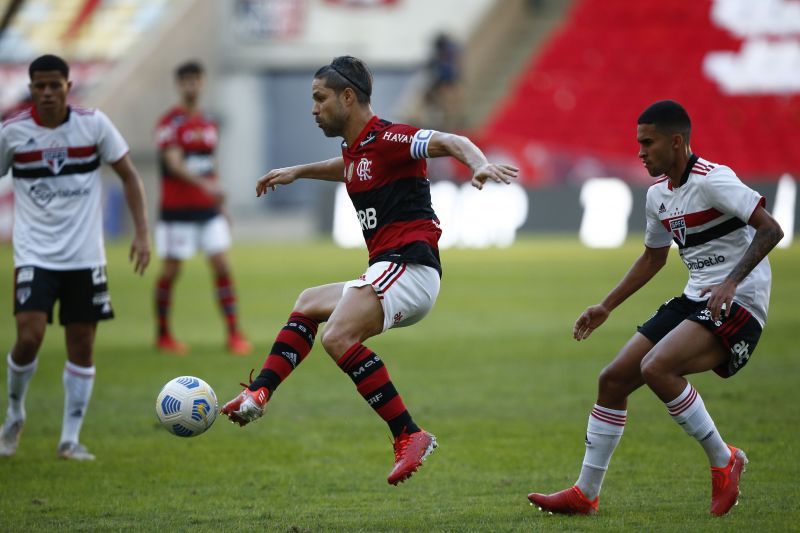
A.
pixel 292 344
pixel 603 433
pixel 688 349
pixel 170 270
pixel 359 316
pixel 21 367
pixel 78 377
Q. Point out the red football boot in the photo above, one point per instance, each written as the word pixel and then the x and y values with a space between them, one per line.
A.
pixel 568 501
pixel 725 482
pixel 247 406
pixel 409 452
pixel 168 344
pixel 238 345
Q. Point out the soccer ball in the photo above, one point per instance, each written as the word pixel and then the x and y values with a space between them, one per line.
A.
pixel 186 406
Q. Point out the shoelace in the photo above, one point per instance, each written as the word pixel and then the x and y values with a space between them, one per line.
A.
pixel 400 446
pixel 247 385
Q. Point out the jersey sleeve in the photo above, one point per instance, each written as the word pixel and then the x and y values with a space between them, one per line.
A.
pixel 655 235
pixel 6 152
pixel 166 133
pixel 726 192
pixel 111 145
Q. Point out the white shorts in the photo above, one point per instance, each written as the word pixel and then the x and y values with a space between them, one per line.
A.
pixel 180 240
pixel 407 291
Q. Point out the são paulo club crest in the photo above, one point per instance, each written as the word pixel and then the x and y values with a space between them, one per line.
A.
pixel 55 158
pixel 678 228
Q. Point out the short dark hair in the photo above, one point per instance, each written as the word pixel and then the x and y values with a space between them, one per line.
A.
pixel 668 116
pixel 189 68
pixel 48 62
pixel 348 71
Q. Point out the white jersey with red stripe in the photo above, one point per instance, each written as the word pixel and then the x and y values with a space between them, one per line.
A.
pixel 57 186
pixel 707 218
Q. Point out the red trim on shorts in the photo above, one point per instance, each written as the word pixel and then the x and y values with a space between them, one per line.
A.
pixel 402 270
pixel 736 323
pixel 377 280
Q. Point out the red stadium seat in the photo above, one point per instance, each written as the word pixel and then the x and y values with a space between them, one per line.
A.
pixel 581 94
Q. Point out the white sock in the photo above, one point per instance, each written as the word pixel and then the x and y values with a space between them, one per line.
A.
pixel 602 436
pixel 18 379
pixel 689 411
pixel 78 382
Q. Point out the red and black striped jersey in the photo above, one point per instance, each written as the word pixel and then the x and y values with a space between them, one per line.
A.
pixel 386 177
pixel 196 135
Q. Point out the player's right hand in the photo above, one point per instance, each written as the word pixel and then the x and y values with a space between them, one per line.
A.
pixel 278 176
pixel 214 190
pixel 589 320
pixel 499 173
pixel 139 253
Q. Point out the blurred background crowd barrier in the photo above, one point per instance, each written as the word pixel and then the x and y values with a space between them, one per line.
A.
pixel 554 86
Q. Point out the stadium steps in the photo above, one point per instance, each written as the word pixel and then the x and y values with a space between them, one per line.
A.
pixel 513 31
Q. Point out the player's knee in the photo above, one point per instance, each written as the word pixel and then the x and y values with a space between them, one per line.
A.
pixel 608 379
pixel 79 351
pixel 651 369
pixel 168 277
pixel 336 341
pixel 306 303
pixel 28 342
pixel 615 382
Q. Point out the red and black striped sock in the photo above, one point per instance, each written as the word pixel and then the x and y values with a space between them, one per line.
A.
pixel 372 381
pixel 291 346
pixel 226 297
pixel 163 301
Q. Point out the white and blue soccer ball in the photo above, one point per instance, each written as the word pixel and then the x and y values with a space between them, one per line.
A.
pixel 186 406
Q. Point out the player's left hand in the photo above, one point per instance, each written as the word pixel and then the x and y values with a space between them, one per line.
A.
pixel 140 253
pixel 499 173
pixel 721 298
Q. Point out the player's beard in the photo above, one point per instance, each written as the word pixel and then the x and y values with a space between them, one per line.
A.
pixel 334 126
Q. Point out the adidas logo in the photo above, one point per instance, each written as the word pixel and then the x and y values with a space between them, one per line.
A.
pixel 662 209
pixel 30 141
pixel 291 356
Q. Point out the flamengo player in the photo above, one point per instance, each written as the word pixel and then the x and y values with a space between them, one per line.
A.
pixel 384 167
pixel 191 208
pixel 724 235
pixel 54 152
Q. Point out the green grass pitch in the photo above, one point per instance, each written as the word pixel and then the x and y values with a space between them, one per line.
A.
pixel 492 371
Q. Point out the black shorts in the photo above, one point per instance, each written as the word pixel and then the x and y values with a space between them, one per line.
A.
pixel 739 331
pixel 82 294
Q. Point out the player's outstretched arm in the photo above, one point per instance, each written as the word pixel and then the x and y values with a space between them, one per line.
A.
pixel 463 149
pixel 768 235
pixel 134 195
pixel 643 269
pixel 328 170
pixel 174 160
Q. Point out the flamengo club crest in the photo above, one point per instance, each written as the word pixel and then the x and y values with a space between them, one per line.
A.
pixel 363 169
pixel 54 158
pixel 678 228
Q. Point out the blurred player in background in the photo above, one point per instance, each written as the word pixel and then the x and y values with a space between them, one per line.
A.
pixel 723 234
pixel 192 213
pixel 383 165
pixel 54 151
